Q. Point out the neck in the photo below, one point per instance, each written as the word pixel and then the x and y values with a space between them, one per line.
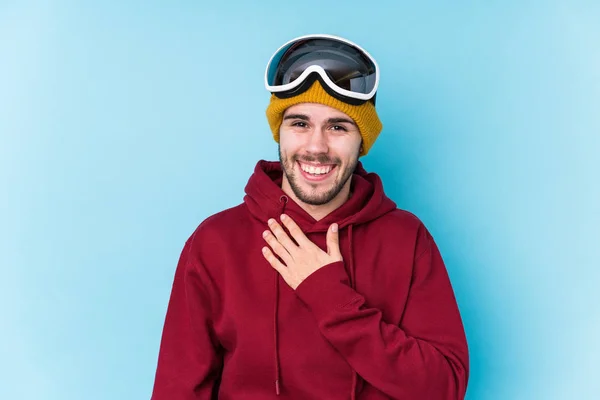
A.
pixel 318 212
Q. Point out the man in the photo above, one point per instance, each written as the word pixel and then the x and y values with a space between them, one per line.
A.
pixel 316 286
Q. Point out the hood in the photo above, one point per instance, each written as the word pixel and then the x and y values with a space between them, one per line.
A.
pixel 265 199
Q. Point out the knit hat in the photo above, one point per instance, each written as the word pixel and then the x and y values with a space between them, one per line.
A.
pixel 364 115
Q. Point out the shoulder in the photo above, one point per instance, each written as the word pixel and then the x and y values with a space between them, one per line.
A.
pixel 212 237
pixel 403 220
pixel 220 225
pixel 403 226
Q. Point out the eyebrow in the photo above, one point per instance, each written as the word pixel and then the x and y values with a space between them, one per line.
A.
pixel 297 116
pixel 341 120
pixel 329 121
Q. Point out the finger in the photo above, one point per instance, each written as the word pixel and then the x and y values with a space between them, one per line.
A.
pixel 275 263
pixel 282 236
pixel 277 247
pixel 295 231
pixel 333 242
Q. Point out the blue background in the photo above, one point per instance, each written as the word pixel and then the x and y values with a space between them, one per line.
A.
pixel 122 126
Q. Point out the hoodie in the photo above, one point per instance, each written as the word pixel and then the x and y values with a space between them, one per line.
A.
pixel 383 323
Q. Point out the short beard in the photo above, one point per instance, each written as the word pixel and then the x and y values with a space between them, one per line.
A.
pixel 314 198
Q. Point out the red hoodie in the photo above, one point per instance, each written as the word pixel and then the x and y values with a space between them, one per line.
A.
pixel 382 324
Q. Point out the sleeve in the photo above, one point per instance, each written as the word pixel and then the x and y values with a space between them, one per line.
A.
pixel 424 357
pixel 189 359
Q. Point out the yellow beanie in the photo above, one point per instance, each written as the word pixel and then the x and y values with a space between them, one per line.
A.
pixel 364 115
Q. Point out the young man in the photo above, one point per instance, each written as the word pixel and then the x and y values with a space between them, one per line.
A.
pixel 317 286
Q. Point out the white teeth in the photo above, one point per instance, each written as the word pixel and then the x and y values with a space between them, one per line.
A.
pixel 315 170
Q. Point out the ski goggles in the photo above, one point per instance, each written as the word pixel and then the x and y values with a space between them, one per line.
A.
pixel 345 70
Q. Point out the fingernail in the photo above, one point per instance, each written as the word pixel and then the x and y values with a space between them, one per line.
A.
pixel 283 216
pixel 334 228
pixel 271 221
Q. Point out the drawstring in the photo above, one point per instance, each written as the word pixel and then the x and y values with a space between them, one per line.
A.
pixel 276 333
pixel 283 199
pixel 351 267
pixel 351 261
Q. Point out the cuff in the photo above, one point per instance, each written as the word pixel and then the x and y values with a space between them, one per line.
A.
pixel 327 290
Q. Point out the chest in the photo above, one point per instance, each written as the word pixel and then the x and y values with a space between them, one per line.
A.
pixel 256 300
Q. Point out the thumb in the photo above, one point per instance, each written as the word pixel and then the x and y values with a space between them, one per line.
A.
pixel 333 242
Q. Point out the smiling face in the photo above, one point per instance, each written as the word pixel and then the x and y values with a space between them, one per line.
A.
pixel 319 148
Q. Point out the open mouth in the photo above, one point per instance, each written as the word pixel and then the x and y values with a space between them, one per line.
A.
pixel 316 172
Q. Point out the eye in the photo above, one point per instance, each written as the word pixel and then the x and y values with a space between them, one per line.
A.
pixel 299 124
pixel 339 128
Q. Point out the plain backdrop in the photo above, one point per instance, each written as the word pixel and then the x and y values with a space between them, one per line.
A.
pixel 124 124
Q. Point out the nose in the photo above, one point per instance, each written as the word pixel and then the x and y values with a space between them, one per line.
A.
pixel 317 142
